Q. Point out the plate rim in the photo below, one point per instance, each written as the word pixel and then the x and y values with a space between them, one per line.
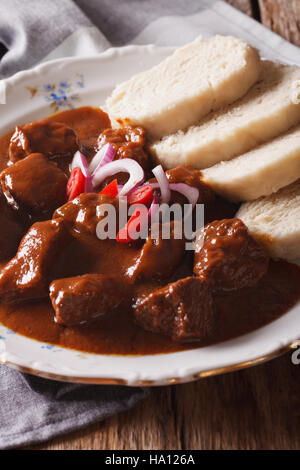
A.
pixel 151 383
pixel 107 54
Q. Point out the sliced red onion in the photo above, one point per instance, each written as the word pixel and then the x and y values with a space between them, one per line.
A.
pixel 154 185
pixel 136 173
pixel 105 155
pixel 163 182
pixel 79 161
pixel 154 206
pixel 191 193
pixel 89 188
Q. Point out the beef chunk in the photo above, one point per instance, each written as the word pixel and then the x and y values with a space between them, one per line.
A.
pixel 128 142
pixel 53 139
pixel 80 299
pixel 34 184
pixel 182 310
pixel 228 257
pixel 159 257
pixel 83 213
pixel 28 274
pixel 191 177
pixel 12 230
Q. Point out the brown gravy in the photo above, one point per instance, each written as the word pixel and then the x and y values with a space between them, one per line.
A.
pixel 238 312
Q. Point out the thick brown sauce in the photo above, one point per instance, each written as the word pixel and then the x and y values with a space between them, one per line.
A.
pixel 237 312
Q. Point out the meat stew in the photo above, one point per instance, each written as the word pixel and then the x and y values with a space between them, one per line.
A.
pixel 63 285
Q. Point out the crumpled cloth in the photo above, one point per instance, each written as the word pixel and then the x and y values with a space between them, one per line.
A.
pixel 33 410
pixel 38 30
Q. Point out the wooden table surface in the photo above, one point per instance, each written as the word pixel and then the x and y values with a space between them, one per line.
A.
pixel 257 408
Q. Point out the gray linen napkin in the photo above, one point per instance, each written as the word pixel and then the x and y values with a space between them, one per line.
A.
pixel 33 409
pixel 36 30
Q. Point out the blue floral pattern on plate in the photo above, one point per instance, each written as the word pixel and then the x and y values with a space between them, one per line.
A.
pixel 61 95
pixel 51 347
pixel 10 332
pixel 7 332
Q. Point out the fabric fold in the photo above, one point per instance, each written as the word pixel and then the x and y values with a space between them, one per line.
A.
pixel 34 410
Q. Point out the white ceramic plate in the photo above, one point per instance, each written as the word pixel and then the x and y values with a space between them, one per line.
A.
pixel 63 84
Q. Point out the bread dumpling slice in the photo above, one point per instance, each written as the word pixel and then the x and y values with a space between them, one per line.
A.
pixel 198 78
pixel 270 108
pixel 275 221
pixel 260 172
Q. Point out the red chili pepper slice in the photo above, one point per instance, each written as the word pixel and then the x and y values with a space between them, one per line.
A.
pixel 142 195
pixel 111 189
pixel 76 184
pixel 124 234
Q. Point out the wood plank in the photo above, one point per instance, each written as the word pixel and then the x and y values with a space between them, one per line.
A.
pixel 244 5
pixel 150 425
pixel 283 17
pixel 258 408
